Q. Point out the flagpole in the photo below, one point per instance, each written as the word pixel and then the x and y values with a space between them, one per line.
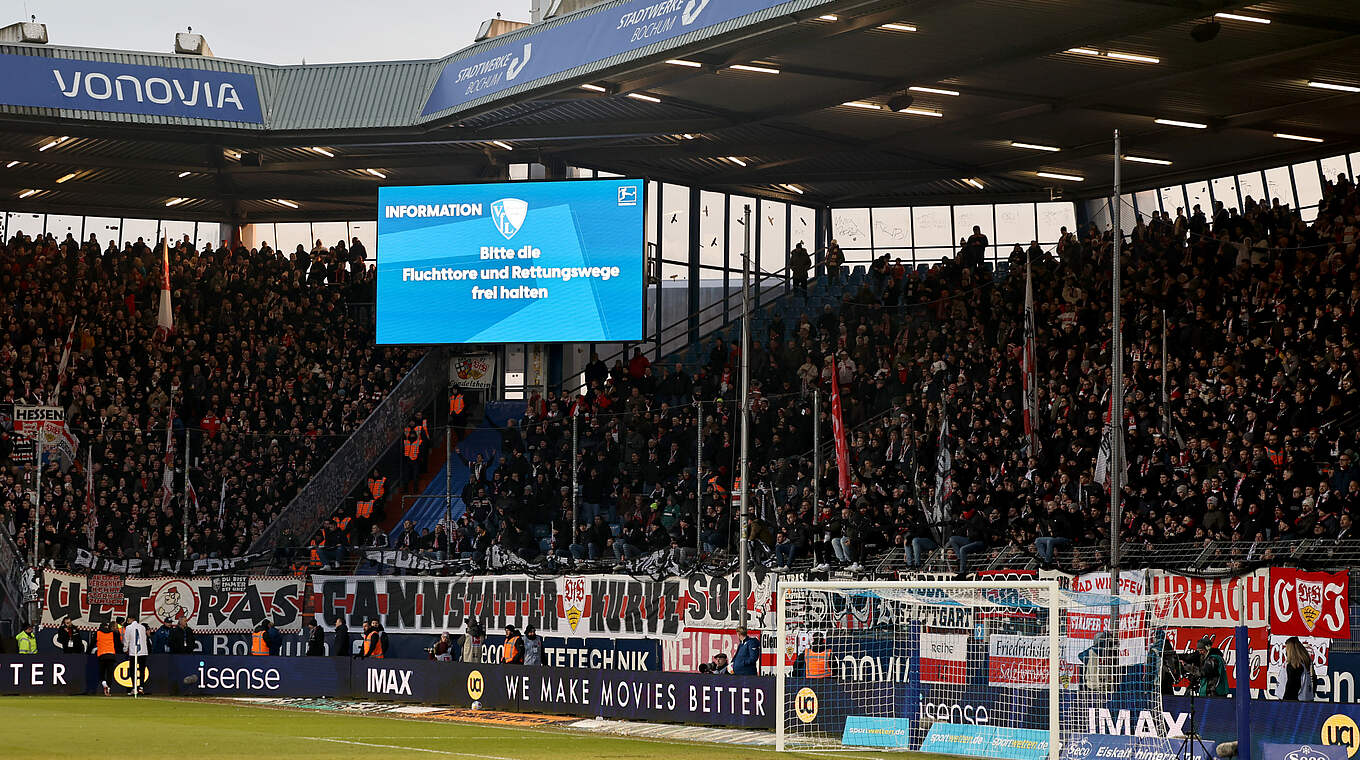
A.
pixel 1116 400
pixel 745 583
pixel 1166 400
pixel 184 537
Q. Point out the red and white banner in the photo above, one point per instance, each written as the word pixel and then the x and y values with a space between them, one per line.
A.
pixel 1213 602
pixel 1309 603
pixel 1318 649
pixel 1017 661
pixel 1085 623
pixel 944 658
pixel 838 431
pixel 209 604
pixel 684 653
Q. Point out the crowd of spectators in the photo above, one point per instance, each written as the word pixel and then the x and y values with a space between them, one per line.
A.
pixel 1256 439
pixel 271 363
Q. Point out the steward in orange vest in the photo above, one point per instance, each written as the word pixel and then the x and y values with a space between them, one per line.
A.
pixel 512 651
pixel 373 642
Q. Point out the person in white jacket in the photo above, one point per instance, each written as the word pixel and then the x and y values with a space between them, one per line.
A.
pixel 135 643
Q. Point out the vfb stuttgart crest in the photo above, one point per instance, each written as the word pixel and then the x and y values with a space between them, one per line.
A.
pixel 574 600
pixel 509 215
pixel 1308 597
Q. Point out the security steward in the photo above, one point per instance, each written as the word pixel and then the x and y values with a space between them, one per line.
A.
pixel 512 651
pixel 816 660
pixel 258 645
pixel 374 642
pixel 106 645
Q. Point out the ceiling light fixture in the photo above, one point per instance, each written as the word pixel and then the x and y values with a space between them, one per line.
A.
pixel 175 201
pixel 935 91
pixel 593 88
pixel 283 202
pixel 920 112
pixel 1035 146
pixel 11 164
pixel 502 144
pixel 1333 86
pixel 1147 160
pixel 975 183
pixel 895 27
pixel 1083 51
pixel 829 17
pixel 52 144
pixel 323 152
pixel 688 136
pixel 862 104
pixel 1240 17
pixel 682 62
pixel 1300 138
pixel 736 160
pixel 376 173
pixel 1136 58
pixel 182 175
pixel 66 177
pixel 647 98
pixel 795 189
pixel 1179 123
pixel 27 193
pixel 756 69
pixel 1056 175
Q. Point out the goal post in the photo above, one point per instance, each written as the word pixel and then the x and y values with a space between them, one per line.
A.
pixel 1005 669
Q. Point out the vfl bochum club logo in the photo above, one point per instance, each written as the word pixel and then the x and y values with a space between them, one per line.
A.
pixel 509 214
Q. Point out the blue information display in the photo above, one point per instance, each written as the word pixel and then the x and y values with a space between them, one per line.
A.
pixel 128 88
pixel 511 262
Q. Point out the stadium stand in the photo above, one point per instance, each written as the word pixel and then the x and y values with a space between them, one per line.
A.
pixel 271 363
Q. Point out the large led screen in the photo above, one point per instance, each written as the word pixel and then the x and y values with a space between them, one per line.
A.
pixel 511 262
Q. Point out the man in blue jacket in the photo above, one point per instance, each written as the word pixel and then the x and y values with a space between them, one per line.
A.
pixel 746 662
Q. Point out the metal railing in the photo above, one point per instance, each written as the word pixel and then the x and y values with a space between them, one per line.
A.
pixel 357 455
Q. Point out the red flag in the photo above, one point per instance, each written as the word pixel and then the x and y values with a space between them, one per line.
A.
pixel 838 430
pixel 165 320
pixel 91 515
pixel 1029 375
pixel 168 479
pixel 65 361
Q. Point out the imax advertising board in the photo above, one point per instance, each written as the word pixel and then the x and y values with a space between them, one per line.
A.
pixel 535 262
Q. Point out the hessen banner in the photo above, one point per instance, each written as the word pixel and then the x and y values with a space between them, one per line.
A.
pixel 207 606
pixel 586 38
pixel 1309 603
pixel 109 87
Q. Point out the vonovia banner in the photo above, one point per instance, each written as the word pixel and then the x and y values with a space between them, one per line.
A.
pixel 208 605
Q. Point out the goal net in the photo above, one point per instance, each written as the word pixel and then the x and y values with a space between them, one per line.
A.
pixel 1018 670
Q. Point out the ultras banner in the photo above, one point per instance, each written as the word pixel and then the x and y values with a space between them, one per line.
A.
pixel 612 606
pixel 224 604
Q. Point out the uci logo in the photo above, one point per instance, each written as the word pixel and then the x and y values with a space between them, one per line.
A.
pixel 475 684
pixel 805 705
pixel 1340 730
pixel 122 675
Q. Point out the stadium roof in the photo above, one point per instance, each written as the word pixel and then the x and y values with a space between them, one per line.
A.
pixel 772 97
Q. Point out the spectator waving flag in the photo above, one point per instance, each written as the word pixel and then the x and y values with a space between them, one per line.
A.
pixel 65 361
pixel 222 504
pixel 838 431
pixel 1029 374
pixel 1103 458
pixel 165 320
pixel 944 472
pixel 91 514
pixel 168 478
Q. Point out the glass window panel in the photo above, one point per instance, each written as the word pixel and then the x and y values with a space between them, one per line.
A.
pixel 653 198
pixel 933 228
pixel 802 227
pixel 736 240
pixel 774 216
pixel 1197 194
pixel 604 174
pixel 675 223
pixel 1307 183
pixel 1334 165
pixel 212 234
pixel 1309 214
pixel 1225 192
pixel 1251 185
pixel 134 230
pixel 711 208
pixel 1097 213
pixel 1126 213
pixel 331 233
pixel 61 225
pixel 519 171
pixel 1052 217
pixel 1015 223
pixel 892 228
pixel 30 225
pixel 367 232
pixel 179 231
pixel 1146 202
pixel 850 228
pixel 291 235
pixel 1172 198
pixel 968 217
pixel 1279 185
pixel 104 229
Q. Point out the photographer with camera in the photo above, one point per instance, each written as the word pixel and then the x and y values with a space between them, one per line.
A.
pixel 1213 672
pixel 472 642
pixel 717 667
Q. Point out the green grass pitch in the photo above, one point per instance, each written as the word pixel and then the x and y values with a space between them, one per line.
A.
pixel 99 727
